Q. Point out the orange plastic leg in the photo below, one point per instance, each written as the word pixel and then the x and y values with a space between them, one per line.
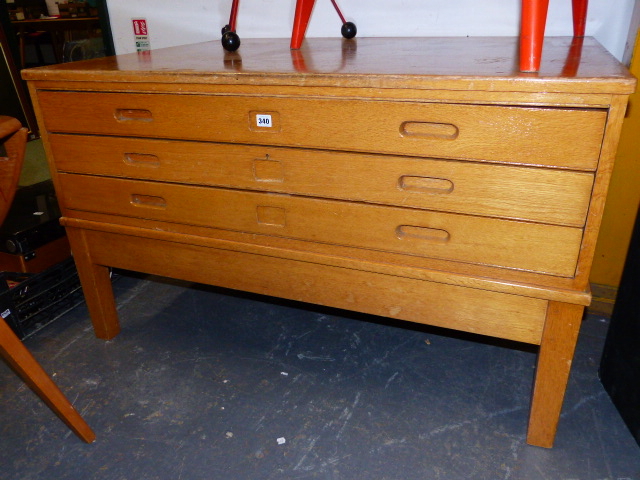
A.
pixel 300 22
pixel 579 17
pixel 534 20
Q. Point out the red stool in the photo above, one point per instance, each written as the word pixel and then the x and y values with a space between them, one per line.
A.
pixel 534 20
pixel 231 41
pixel 301 20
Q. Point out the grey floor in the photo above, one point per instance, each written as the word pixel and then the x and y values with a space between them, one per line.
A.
pixel 202 383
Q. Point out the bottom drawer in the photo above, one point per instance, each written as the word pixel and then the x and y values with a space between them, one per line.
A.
pixel 468 309
pixel 549 249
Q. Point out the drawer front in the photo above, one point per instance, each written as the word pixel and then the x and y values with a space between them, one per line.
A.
pixel 543 195
pixel 520 245
pixel 534 136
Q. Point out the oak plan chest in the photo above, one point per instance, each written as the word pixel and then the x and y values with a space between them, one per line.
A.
pixel 426 179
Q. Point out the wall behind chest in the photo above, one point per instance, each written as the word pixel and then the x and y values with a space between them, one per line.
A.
pixel 177 23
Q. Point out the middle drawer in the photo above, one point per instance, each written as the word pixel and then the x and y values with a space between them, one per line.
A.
pixel 544 195
pixel 534 247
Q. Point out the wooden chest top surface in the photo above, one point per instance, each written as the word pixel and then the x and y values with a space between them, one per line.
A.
pixel 456 63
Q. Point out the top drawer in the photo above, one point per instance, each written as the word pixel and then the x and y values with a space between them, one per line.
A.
pixel 534 136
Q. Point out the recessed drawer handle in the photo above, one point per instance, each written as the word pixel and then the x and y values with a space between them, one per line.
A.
pixel 274 216
pixel 412 183
pixel 148 201
pixel 268 170
pixel 133 115
pixel 411 232
pixel 444 131
pixel 144 159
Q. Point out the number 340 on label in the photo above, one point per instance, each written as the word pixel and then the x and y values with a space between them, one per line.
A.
pixel 263 120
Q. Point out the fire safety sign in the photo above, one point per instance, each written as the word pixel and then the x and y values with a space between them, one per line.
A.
pixel 141 34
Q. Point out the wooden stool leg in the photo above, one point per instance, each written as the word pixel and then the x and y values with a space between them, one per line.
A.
pixel 579 17
pixel 534 20
pixel 300 22
pixel 96 287
pixel 17 355
pixel 554 364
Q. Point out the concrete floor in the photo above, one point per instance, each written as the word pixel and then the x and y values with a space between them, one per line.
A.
pixel 202 383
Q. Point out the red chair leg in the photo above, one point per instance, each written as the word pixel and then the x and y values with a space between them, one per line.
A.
pixel 579 17
pixel 300 22
pixel 234 15
pixel 335 5
pixel 534 19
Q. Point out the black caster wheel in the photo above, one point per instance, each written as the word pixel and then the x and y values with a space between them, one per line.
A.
pixel 225 29
pixel 349 30
pixel 230 41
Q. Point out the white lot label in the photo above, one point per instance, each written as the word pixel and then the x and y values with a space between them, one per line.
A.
pixel 263 121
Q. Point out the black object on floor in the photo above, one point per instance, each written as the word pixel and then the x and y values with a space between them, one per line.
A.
pixel 620 366
pixel 32 221
pixel 204 383
pixel 31 301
